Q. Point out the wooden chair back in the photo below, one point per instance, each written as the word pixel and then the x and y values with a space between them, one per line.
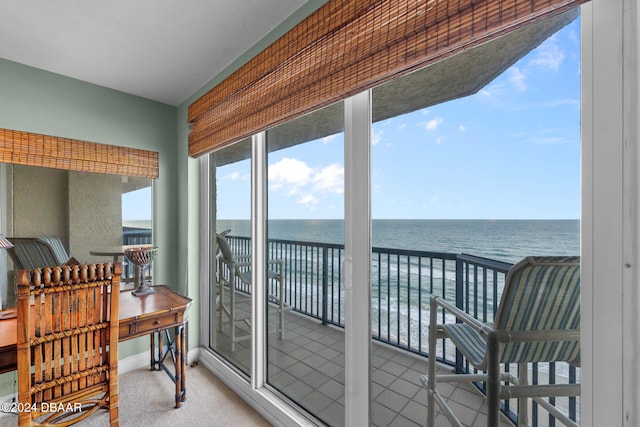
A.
pixel 68 343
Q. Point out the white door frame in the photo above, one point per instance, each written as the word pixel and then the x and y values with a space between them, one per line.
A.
pixel 610 298
pixel 357 258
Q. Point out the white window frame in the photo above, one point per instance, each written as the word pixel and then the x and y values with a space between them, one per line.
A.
pixel 357 262
pixel 610 298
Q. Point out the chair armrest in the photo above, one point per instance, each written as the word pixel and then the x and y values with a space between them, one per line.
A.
pixel 460 314
pixel 271 261
pixel 279 262
pixel 248 264
pixel 549 335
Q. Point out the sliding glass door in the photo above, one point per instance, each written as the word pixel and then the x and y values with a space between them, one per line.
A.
pixel 305 251
pixel 467 183
pixel 230 243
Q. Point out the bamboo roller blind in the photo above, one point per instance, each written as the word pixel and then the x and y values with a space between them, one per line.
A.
pixel 31 149
pixel 343 48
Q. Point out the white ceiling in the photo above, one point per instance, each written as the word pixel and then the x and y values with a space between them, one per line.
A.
pixel 164 50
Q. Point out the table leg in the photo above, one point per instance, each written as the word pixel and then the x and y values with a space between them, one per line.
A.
pixel 152 367
pixel 177 349
pixel 160 360
pixel 183 382
pixel 178 365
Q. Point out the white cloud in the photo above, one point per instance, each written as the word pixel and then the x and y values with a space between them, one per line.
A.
pixel 438 140
pixel 234 176
pixel 294 177
pixel 402 126
pixel 549 55
pixel 424 112
pixel 290 174
pixel 546 136
pixel 462 128
pixel 329 179
pixel 494 89
pixel 434 200
pixel 433 124
pixel 309 200
pixel 376 136
pixel 517 79
pixel 562 102
pixel 328 139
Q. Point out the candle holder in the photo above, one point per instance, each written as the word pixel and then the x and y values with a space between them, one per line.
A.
pixel 141 257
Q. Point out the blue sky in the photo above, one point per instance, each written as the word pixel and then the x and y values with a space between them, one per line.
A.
pixel 137 204
pixel 511 151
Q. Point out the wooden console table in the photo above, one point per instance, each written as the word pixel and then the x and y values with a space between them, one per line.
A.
pixel 152 314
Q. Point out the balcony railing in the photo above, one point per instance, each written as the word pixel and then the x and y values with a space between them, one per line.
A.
pixel 402 281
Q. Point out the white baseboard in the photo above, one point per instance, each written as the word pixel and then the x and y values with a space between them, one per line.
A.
pixel 134 362
pixel 193 355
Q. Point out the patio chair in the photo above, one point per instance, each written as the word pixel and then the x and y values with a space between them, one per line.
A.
pixel 538 320
pixel 67 343
pixel 38 252
pixel 234 273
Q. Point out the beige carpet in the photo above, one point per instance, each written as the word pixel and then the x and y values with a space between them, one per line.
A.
pixel 147 399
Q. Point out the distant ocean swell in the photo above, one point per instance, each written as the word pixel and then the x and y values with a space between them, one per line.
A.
pixel 504 240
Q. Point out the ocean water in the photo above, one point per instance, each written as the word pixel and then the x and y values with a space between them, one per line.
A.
pixel 503 240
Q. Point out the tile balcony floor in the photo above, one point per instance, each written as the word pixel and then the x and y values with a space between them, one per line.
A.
pixel 307 366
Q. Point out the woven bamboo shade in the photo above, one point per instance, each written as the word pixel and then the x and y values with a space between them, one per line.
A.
pixel 31 149
pixel 343 48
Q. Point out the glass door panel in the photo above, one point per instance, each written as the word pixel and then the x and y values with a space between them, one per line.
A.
pixel 493 174
pixel 305 308
pixel 230 248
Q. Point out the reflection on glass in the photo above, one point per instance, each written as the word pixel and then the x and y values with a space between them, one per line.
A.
pixel 230 249
pixel 305 248
pixel 136 221
pixel 83 211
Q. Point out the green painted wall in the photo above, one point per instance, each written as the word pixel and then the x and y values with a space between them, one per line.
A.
pixel 41 102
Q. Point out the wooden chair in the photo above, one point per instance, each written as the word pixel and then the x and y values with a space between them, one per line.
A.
pixel 538 320
pixel 68 343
